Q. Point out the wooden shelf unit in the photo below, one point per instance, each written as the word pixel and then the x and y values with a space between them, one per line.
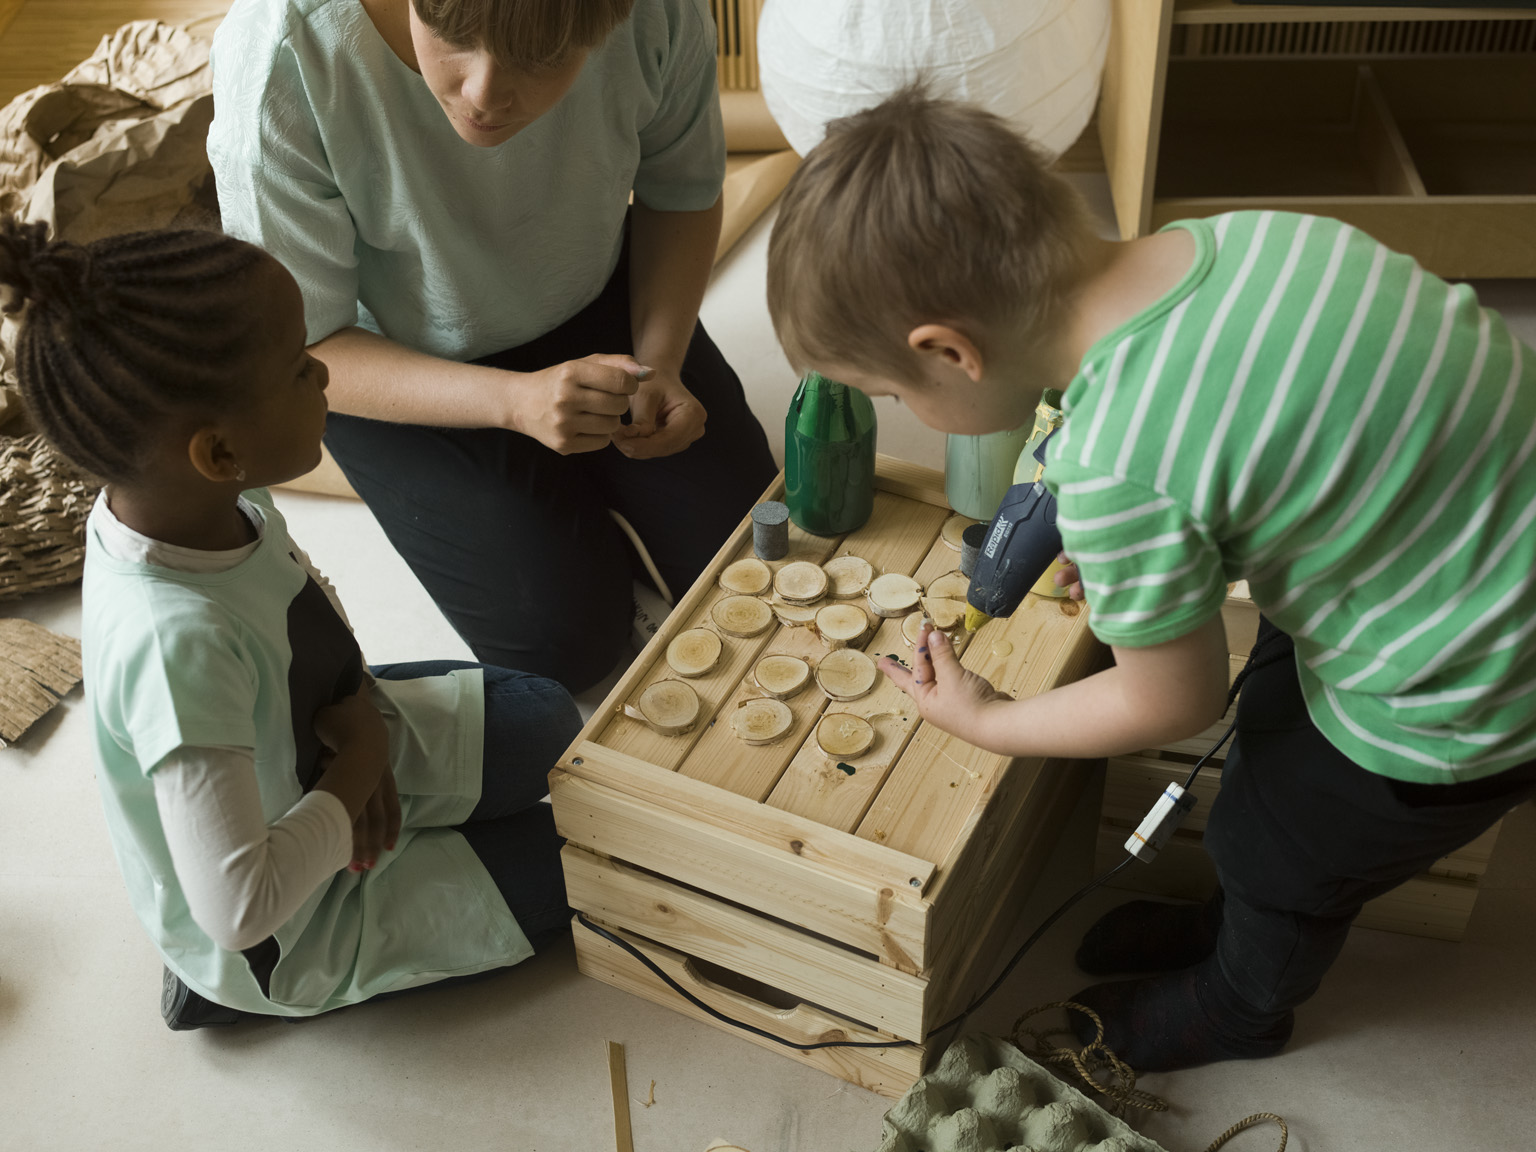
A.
pixel 866 900
pixel 1417 125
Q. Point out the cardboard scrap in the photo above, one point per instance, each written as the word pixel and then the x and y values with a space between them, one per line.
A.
pixel 37 668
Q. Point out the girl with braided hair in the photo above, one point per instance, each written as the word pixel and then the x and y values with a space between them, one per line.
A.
pixel 297 832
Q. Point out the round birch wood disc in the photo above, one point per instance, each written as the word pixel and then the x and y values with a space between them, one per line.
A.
pixel 954 585
pixel 849 575
pixel 670 707
pixel 801 582
pixel 846 674
pixel 842 624
pixel 749 577
pixel 781 676
pixel 894 594
pixel 742 616
pixel 694 652
pixel 947 615
pixel 843 736
pixel 793 615
pixel 761 721
pixel 911 628
pixel 952 529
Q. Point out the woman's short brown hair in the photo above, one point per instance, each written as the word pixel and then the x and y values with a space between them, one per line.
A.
pixel 915 211
pixel 524 32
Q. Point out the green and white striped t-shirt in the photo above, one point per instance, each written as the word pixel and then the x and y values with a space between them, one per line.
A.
pixel 1316 414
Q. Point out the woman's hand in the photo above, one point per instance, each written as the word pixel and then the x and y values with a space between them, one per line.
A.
pixel 946 694
pixel 575 406
pixel 665 416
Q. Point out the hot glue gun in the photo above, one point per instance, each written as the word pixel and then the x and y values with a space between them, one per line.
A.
pixel 1020 544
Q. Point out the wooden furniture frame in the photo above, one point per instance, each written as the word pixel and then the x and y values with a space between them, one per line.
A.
pixel 865 900
pixel 1417 125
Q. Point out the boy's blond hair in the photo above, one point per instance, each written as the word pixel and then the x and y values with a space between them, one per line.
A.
pixel 918 211
pixel 524 32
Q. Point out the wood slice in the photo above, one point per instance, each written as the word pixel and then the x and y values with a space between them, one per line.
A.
pixel 947 615
pixel 954 585
pixel 694 652
pixel 846 674
pixel 894 594
pixel 801 582
pixel 843 736
pixel 749 577
pixel 781 676
pixel 849 575
pixel 911 628
pixel 952 529
pixel 742 616
pixel 761 721
pixel 842 624
pixel 793 615
pixel 670 707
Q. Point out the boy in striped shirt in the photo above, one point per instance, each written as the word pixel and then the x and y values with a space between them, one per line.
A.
pixel 1262 396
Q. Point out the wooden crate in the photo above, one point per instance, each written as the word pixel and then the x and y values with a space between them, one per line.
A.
pixel 1437 903
pixel 866 900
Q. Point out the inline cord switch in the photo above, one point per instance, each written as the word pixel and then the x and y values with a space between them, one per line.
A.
pixel 1160 823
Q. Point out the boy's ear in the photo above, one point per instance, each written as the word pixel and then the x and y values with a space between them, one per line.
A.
pixel 213 456
pixel 942 345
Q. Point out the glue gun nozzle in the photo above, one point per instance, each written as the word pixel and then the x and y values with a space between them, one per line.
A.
pixel 974 618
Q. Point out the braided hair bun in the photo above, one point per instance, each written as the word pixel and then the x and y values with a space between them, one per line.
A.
pixel 52 274
pixel 119 334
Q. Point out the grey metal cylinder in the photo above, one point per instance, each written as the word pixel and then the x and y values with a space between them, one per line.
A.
pixel 770 530
pixel 971 541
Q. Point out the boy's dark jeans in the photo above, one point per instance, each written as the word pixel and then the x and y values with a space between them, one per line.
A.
pixel 514 542
pixel 1302 837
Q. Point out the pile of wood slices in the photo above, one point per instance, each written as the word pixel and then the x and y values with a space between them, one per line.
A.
pixel 824 598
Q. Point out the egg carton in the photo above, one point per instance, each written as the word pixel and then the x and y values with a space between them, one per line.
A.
pixel 987 1096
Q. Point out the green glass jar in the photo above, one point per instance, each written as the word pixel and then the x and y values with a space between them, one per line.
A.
pixel 829 457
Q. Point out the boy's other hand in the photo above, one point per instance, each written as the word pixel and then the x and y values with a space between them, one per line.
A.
pixel 665 416
pixel 946 694
pixel 1069 577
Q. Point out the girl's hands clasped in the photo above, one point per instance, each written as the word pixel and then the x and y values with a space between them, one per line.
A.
pixel 948 695
pixel 357 772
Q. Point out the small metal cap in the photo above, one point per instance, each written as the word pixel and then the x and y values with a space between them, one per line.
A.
pixel 971 541
pixel 770 530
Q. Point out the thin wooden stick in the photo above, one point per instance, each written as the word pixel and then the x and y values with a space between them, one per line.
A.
pixel 618 1076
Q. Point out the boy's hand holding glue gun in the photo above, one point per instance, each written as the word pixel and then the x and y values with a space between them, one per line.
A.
pixel 357 773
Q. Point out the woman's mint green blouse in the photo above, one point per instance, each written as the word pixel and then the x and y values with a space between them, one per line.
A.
pixel 335 157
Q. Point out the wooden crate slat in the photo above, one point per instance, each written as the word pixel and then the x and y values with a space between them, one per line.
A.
pixel 914 481
pixel 888 1071
pixel 897 537
pixel 821 789
pixel 743 869
pixel 931 796
pixel 993 876
pixel 816 971
pixel 815 845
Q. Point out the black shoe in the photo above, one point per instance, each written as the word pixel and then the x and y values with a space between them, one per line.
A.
pixel 183 1009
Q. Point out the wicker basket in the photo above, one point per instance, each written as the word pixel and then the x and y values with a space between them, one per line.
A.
pixel 44 502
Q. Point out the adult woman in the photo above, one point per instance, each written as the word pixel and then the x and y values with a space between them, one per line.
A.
pixel 513 349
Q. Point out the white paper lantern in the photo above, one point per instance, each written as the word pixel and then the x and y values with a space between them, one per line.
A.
pixel 1036 63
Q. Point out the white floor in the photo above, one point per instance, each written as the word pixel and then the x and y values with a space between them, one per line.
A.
pixel 1411 1044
